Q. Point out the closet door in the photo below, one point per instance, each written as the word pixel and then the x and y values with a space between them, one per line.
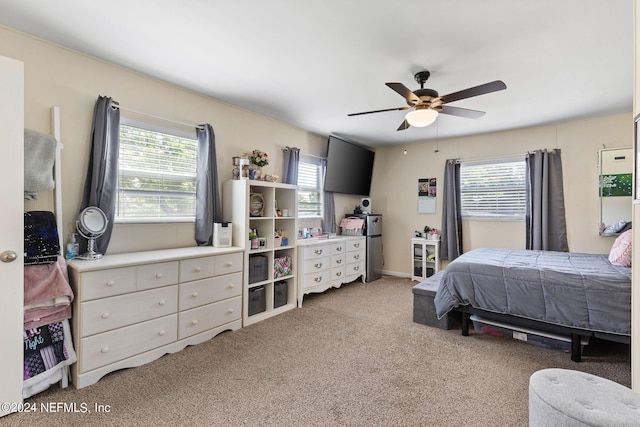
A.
pixel 11 231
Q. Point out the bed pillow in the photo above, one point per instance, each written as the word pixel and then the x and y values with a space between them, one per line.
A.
pixel 620 253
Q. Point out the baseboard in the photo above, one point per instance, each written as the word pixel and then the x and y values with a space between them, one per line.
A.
pixel 395 273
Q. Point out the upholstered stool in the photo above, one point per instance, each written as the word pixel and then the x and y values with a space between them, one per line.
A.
pixel 562 397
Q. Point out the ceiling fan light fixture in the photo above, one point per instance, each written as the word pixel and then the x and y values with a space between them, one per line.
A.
pixel 422 117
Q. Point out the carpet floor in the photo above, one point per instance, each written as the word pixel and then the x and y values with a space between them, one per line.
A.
pixel 349 357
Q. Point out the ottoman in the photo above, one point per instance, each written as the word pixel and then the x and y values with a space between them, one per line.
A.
pixel 562 397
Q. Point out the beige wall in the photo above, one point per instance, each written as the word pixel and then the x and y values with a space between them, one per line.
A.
pixel 396 178
pixel 58 76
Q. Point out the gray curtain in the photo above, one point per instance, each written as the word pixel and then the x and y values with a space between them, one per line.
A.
pixel 329 208
pixel 208 208
pixel 451 233
pixel 291 159
pixel 545 215
pixel 100 185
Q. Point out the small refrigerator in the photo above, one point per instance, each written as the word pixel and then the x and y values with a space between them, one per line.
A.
pixel 373 232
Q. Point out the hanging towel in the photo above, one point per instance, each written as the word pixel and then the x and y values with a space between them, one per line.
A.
pixel 41 241
pixel 39 158
pixel 47 294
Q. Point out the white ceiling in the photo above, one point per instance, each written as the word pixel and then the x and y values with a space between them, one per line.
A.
pixel 311 63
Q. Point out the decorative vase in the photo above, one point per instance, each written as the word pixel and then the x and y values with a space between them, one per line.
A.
pixel 255 172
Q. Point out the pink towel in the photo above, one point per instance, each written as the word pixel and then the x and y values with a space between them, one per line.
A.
pixel 47 294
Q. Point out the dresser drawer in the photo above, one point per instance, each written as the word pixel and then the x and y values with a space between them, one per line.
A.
pixel 156 275
pixel 229 263
pixel 356 244
pixel 122 310
pixel 338 248
pixel 338 274
pixel 356 256
pixel 210 316
pixel 102 349
pixel 206 291
pixel 317 279
pixel 316 251
pixel 355 269
pixel 106 283
pixel 338 260
pixel 317 264
pixel 197 268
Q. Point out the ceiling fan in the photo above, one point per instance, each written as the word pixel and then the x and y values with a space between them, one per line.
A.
pixel 425 104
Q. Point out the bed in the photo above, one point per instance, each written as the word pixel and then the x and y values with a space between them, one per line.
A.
pixel 572 294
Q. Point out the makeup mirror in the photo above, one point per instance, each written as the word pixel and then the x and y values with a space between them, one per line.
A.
pixel 91 224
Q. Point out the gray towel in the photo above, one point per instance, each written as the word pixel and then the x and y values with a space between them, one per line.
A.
pixel 39 158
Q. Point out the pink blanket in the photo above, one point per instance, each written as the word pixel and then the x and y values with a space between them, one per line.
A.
pixel 47 294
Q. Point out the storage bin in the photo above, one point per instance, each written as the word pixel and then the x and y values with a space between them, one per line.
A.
pixel 530 336
pixel 257 300
pixel 280 293
pixel 281 266
pixel 258 270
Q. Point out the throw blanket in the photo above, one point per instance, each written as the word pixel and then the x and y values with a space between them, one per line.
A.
pixel 47 350
pixel 47 294
pixel 39 158
pixel 571 289
pixel 41 241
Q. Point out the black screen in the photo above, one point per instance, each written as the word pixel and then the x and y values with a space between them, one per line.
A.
pixel 349 168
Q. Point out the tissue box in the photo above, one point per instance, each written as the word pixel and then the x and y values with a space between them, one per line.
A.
pixel 281 266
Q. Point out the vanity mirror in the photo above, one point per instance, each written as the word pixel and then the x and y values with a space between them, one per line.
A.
pixel 91 224
pixel 615 189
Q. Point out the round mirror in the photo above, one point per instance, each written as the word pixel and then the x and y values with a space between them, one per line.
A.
pixel 93 221
pixel 91 224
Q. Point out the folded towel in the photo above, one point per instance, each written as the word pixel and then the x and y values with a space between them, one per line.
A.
pixel 41 241
pixel 39 158
pixel 47 294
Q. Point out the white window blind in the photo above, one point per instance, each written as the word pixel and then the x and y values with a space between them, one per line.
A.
pixel 493 189
pixel 310 174
pixel 157 176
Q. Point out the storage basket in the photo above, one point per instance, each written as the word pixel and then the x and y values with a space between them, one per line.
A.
pixel 282 266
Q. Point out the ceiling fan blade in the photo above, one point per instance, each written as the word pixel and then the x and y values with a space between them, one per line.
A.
pixel 405 125
pixel 405 92
pixel 473 91
pixel 461 112
pixel 378 111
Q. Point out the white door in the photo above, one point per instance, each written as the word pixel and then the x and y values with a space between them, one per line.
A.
pixel 11 231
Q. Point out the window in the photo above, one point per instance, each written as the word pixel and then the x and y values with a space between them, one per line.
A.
pixel 493 189
pixel 310 172
pixel 156 174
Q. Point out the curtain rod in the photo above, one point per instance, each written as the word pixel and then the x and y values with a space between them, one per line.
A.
pixel 116 105
pixel 304 154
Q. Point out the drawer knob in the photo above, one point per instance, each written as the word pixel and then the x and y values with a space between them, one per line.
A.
pixel 198 269
pixel 161 332
pixel 356 268
pixel 162 302
pixel 356 257
pixel 339 261
pixel 194 322
pixel 231 285
pixel 318 265
pixel 228 264
pixel 339 273
pixel 195 294
pixel 104 350
pixel 356 245
pixel 158 275
pixel 110 283
pixel 318 251
pixel 339 248
pixel 318 279
pixel 105 315
pixel 230 310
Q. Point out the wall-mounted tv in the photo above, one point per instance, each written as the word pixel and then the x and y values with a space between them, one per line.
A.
pixel 349 168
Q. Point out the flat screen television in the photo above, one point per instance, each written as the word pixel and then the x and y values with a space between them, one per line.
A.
pixel 349 168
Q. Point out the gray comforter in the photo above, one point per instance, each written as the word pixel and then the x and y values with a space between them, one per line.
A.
pixel 571 289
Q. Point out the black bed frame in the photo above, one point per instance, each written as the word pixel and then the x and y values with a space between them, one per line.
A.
pixel 576 334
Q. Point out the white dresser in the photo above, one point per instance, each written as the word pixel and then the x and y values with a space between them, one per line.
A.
pixel 130 309
pixel 327 263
